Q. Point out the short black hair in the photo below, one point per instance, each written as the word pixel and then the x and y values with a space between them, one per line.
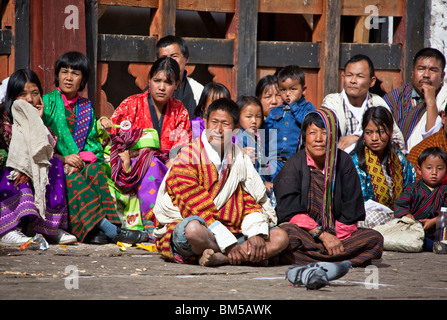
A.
pixel 435 152
pixel 76 61
pixel 264 82
pixel 362 57
pixel 293 72
pixel 226 105
pixel 168 65
pixel 313 118
pixel 171 39
pixel 430 53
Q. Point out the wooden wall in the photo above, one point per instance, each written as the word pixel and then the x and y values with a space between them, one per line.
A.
pixel 257 37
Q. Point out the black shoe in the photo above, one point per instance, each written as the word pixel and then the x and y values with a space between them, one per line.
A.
pixel 97 237
pixel 131 236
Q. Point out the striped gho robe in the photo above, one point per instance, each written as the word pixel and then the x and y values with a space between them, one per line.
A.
pixel 421 201
pixel 194 185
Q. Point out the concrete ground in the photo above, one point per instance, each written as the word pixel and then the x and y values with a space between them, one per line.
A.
pixel 91 272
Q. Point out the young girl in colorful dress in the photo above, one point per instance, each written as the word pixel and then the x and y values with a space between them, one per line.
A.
pixel 92 213
pixel 24 207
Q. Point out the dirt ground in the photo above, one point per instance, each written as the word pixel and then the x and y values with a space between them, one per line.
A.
pixel 91 272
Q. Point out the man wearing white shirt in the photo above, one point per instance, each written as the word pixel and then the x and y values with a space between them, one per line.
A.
pixel 350 105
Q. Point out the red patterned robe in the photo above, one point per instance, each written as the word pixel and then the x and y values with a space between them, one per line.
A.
pixel 193 183
pixel 176 129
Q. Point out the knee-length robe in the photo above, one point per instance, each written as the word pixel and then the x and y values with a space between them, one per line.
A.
pixel 196 188
pixel 292 187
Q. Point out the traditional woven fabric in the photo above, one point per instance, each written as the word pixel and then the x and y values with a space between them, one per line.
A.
pixel 89 200
pixel 121 142
pixel 316 195
pixel 360 248
pixel 63 122
pixel 378 180
pixel 18 202
pixel 405 114
pixel 176 127
pixel 331 125
pixel 420 201
pixel 193 183
pixel 83 123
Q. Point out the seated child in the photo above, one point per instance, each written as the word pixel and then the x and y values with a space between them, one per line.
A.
pixel 287 118
pixel 424 199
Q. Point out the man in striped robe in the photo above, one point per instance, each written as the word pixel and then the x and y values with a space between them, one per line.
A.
pixel 416 105
pixel 439 139
pixel 212 204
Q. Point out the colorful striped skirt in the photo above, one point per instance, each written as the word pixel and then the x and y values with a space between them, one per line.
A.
pixel 18 202
pixel 89 200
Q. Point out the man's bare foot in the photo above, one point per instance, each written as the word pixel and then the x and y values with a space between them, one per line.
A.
pixel 210 258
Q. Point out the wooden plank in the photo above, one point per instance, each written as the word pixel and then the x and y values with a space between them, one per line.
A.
pixel 202 50
pixel 386 8
pixel 21 43
pixel 384 56
pixel 226 6
pixel 330 53
pixel 5 42
pixel 291 6
pixel 163 20
pixel 414 36
pixel 113 47
pixel 361 34
pixel 130 3
pixel 210 51
pixel 91 25
pixel 246 49
pixel 277 54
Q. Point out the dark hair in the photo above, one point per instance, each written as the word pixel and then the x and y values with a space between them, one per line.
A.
pixel 435 152
pixel 430 53
pixel 227 105
pixel 293 72
pixel 310 118
pixel 16 84
pixel 244 101
pixel 76 61
pixel 267 81
pixel 171 39
pixel 168 65
pixel 362 57
pixel 213 89
pixel 381 117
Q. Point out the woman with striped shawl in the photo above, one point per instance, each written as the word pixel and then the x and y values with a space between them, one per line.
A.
pixel 320 200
